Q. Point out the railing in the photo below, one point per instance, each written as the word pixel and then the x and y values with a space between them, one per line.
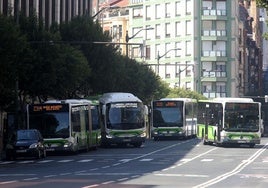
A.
pixel 214 94
pixel 217 53
pixel 214 12
pixel 214 74
pixel 212 33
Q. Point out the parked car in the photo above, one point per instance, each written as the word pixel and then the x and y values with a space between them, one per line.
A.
pixel 26 143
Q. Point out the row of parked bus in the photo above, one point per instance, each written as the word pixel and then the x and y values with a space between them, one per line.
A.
pixel 122 118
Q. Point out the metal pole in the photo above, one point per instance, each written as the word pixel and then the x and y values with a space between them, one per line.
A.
pixel 158 58
pixel 127 39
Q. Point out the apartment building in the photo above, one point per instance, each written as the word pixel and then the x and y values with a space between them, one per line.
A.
pixel 209 46
pixel 49 10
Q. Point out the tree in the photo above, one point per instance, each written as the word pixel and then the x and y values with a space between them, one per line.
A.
pixel 55 69
pixel 182 93
pixel 12 48
pixel 262 3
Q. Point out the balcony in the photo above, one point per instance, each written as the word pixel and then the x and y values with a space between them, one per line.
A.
pixel 213 35
pixel 214 14
pixel 214 76
pixel 214 55
pixel 212 94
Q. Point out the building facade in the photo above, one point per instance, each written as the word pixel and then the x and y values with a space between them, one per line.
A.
pixel 209 46
pixel 49 10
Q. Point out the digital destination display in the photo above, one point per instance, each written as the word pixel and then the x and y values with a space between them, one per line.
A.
pixel 241 106
pixel 48 108
pixel 166 104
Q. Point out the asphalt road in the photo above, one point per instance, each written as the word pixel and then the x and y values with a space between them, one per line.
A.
pixel 157 164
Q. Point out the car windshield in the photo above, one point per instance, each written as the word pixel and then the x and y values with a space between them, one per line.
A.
pixel 26 135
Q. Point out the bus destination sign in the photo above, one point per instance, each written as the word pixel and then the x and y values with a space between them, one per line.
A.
pixel 47 108
pixel 166 104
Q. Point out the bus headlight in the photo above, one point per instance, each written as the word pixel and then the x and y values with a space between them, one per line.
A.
pixel 34 145
pixel 143 135
pixel 109 136
pixel 67 145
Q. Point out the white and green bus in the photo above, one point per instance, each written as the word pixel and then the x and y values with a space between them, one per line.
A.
pixel 229 121
pixel 66 125
pixel 173 118
pixel 123 119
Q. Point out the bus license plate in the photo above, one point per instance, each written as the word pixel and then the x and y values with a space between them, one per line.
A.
pixel 126 140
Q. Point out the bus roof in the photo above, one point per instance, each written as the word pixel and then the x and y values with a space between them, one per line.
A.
pixel 229 99
pixel 179 99
pixel 70 101
pixel 118 97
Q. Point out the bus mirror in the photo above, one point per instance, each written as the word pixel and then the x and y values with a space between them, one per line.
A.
pixel 103 109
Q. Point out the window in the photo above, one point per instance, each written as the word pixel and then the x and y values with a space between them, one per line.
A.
pixel 157 31
pixel 136 52
pixel 178 47
pixel 189 7
pixel 188 85
pixel 189 48
pixel 148 33
pixel 120 31
pixel 177 69
pixel 157 11
pixel 148 13
pixel 168 30
pixel 167 10
pixel 178 29
pixel 168 70
pixel 136 30
pixel 147 52
pixel 189 27
pixel 137 12
pixel 178 8
pixel 157 50
pixel 168 50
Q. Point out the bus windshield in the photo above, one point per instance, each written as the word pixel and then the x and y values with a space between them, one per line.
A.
pixel 167 117
pixel 241 117
pixel 51 125
pixel 125 116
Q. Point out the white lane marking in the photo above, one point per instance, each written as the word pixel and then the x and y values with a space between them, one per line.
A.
pixel 65 161
pixel 25 162
pixel 183 175
pixel 236 170
pixel 45 161
pixel 107 182
pixel 3 175
pixel 8 182
pixel 30 179
pixel 85 160
pixel 146 160
pixel 90 186
pixel 207 160
pixel 7 162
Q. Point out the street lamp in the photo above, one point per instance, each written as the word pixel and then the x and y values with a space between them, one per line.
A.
pixel 159 57
pixel 128 38
pixel 104 8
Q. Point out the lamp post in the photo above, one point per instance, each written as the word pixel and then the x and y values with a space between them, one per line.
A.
pixel 159 57
pixel 128 38
pixel 104 8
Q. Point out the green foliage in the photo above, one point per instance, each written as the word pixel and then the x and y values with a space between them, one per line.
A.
pixel 12 47
pixel 262 3
pixel 182 93
pixel 67 61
